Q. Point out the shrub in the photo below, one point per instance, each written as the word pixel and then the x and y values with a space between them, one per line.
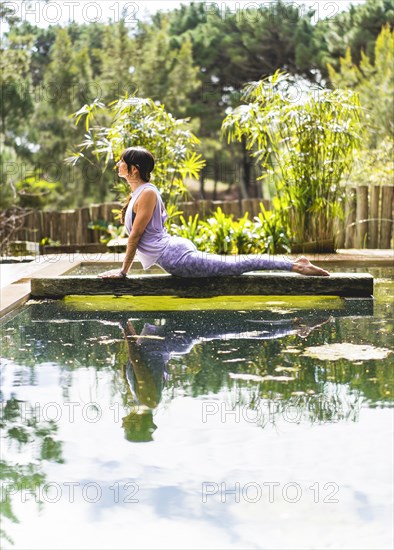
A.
pixel 305 148
pixel 221 234
pixel 140 122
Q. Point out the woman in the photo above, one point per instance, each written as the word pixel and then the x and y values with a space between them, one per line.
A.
pixel 143 216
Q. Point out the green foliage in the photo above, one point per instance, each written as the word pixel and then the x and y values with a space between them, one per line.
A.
pixel 24 431
pixel 374 83
pixel 305 148
pixel 139 121
pixel 244 236
pixel 16 103
pixel 109 231
pixel 115 54
pixel 193 60
pixel 221 234
pixel 166 71
pixel 188 229
pixel 270 226
pixel 8 157
pixel 374 166
pixel 37 192
pixel 47 241
pixel 356 28
pixel 219 230
pixel 65 80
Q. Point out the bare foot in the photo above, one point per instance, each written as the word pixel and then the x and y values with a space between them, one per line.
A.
pixel 304 267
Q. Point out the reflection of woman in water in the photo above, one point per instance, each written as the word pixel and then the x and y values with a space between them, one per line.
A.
pixel 145 373
pixel 150 351
pixel 144 215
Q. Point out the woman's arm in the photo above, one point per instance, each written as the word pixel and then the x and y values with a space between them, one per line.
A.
pixel 144 211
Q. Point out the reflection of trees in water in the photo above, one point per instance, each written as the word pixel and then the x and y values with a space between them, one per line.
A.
pixel 294 388
pixel 215 344
pixel 26 433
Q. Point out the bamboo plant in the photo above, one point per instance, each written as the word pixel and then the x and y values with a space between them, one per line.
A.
pixel 304 148
pixel 132 121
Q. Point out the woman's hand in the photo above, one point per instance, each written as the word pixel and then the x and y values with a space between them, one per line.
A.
pixel 303 266
pixel 113 274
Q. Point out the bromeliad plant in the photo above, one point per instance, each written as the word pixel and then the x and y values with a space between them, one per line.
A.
pixel 245 239
pixel 221 234
pixel 305 148
pixel 140 122
pixel 270 227
pixel 219 231
pixel 189 229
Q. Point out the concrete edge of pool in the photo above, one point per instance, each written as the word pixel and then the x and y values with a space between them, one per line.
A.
pixel 16 291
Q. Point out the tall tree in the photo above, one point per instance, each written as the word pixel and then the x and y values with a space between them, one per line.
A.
pixel 16 106
pixel 357 29
pixel 374 82
pixel 118 59
pixel 52 130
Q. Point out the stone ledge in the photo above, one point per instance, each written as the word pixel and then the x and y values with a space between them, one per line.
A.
pixel 256 283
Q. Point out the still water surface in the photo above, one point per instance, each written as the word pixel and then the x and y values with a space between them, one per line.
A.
pixel 224 423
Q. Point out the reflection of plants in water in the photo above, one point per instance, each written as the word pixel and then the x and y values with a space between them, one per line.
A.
pixel 25 432
pixel 373 379
pixel 76 342
pixel 323 391
pixel 312 408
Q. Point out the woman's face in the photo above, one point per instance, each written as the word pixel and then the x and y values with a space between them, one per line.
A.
pixel 122 168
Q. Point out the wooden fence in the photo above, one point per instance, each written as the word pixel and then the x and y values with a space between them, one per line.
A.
pixel 368 222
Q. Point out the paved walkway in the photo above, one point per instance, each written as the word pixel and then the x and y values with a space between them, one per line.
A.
pixel 15 278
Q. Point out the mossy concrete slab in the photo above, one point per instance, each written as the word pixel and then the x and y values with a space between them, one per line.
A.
pixel 258 284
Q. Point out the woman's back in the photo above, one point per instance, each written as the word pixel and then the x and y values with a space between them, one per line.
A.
pixel 155 238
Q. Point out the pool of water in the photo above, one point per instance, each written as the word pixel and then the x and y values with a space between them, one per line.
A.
pixel 224 423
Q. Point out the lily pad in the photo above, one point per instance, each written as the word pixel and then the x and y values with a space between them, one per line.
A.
pixel 351 352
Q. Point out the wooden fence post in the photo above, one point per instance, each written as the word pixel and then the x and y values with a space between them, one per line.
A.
pixel 30 225
pixel 205 208
pixel 247 206
pixel 189 209
pixel 350 218
pixel 94 217
pixel 362 216
pixel 386 223
pixel 54 226
pixel 84 231
pixel 232 208
pixel 373 236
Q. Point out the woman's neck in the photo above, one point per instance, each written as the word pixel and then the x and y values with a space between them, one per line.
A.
pixel 134 184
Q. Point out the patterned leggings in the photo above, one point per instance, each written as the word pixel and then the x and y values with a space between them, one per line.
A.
pixel 181 258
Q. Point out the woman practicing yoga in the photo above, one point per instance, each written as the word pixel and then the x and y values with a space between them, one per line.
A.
pixel 144 215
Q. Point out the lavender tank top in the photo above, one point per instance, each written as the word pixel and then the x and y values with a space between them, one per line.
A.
pixel 155 238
